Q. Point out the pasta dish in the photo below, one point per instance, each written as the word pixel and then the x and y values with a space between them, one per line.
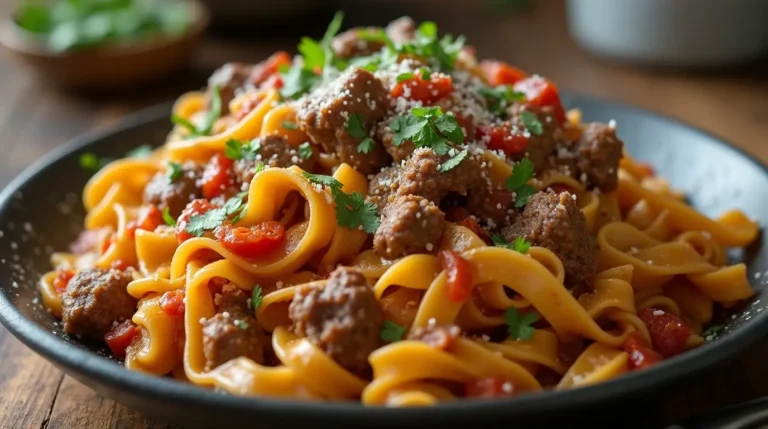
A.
pixel 385 218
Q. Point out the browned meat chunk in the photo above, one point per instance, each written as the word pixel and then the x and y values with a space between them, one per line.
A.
pixel 597 156
pixel 555 221
pixel 228 78
pixel 541 146
pixel 421 175
pixel 275 152
pixel 94 300
pixel 343 319
pixel 411 224
pixel 233 332
pixel 326 117
pixel 176 194
pixel 351 43
pixel 491 206
pixel 385 136
pixel 440 337
pixel 383 186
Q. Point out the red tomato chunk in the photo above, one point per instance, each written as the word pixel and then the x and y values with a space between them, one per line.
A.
pixel 640 355
pixel 196 207
pixel 172 302
pixel 459 275
pixel 270 67
pixel 253 241
pixel 541 92
pixel 62 279
pixel 500 73
pixel 426 91
pixel 217 176
pixel 501 137
pixel 120 337
pixel 489 388
pixel 668 333
pixel 149 218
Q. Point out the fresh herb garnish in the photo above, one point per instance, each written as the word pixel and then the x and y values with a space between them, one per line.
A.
pixel 712 331
pixel 356 129
pixel 209 120
pixel 288 125
pixel 427 127
pixel 453 162
pixel 209 220
pixel 351 209
pixel 91 163
pixel 305 150
pixel 143 151
pixel 531 122
pixel 404 76
pixel 167 218
pixel 500 97
pixel 175 170
pixel 256 297
pixel 236 149
pixel 520 244
pixel 425 74
pixel 519 328
pixel 517 182
pixel 392 332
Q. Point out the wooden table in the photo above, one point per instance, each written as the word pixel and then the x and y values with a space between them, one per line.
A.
pixel 34 119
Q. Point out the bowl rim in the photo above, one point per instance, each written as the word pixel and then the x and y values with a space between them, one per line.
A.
pixel 20 41
pixel 79 360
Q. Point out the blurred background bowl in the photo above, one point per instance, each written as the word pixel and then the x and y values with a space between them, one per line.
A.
pixel 116 65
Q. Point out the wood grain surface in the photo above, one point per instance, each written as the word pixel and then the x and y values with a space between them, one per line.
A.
pixel 35 118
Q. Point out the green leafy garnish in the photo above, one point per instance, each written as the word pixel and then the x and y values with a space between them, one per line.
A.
pixel 209 220
pixel 712 331
pixel 288 125
pixel 500 97
pixel 392 332
pixel 91 163
pixel 453 162
pixel 236 149
pixel 531 122
pixel 351 209
pixel 256 297
pixel 297 81
pixel 143 151
pixel 356 129
pixel 175 170
pixel 404 76
pixel 427 127
pixel 517 182
pixel 169 220
pixel 305 150
pixel 211 116
pixel 427 45
pixel 519 328
pixel 520 245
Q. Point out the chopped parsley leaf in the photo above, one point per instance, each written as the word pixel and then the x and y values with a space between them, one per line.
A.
pixel 453 162
pixel 143 151
pixel 297 81
pixel 175 170
pixel 209 220
pixel 236 149
pixel 256 297
pixel 352 211
pixel 517 182
pixel 427 127
pixel 519 328
pixel 520 245
pixel 531 122
pixel 366 145
pixel 356 129
pixel 425 74
pixel 404 76
pixel 305 151
pixel 500 97
pixel 169 220
pixel 209 120
pixel 288 125
pixel 392 332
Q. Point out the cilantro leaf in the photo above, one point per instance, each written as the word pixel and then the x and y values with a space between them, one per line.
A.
pixel 236 149
pixel 366 145
pixel 712 331
pixel 531 122
pixel 209 220
pixel 520 245
pixel 450 129
pixel 352 211
pixel 175 171
pixel 404 76
pixel 522 194
pixel 298 80
pixel 312 52
pixel 305 150
pixel 427 127
pixel 425 74
pixel 320 179
pixel 517 182
pixel 453 162
pixel 333 28
pixel 500 97
pixel 143 151
pixel 169 220
pixel 392 332
pixel 355 126
pixel 377 35
pixel 519 328
pixel 183 122
pixel 213 114
pixel 405 127
pixel 256 297
pixel 288 125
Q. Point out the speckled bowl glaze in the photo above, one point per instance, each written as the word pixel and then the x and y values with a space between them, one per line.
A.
pixel 41 211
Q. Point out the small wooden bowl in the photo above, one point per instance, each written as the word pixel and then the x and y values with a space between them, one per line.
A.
pixel 117 65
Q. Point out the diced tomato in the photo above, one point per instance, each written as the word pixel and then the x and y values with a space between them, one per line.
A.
pixel 470 223
pixel 253 241
pixel 121 265
pixel 120 337
pixel 195 207
pixel 500 73
pixel 459 275
pixel 172 302
pixel 641 356
pixel 541 92
pixel 62 279
pixel 217 176
pixel 668 333
pixel 501 137
pixel 490 387
pixel 269 67
pixel 149 218
pixel 426 91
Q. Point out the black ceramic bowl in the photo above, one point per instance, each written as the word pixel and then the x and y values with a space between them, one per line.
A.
pixel 41 211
